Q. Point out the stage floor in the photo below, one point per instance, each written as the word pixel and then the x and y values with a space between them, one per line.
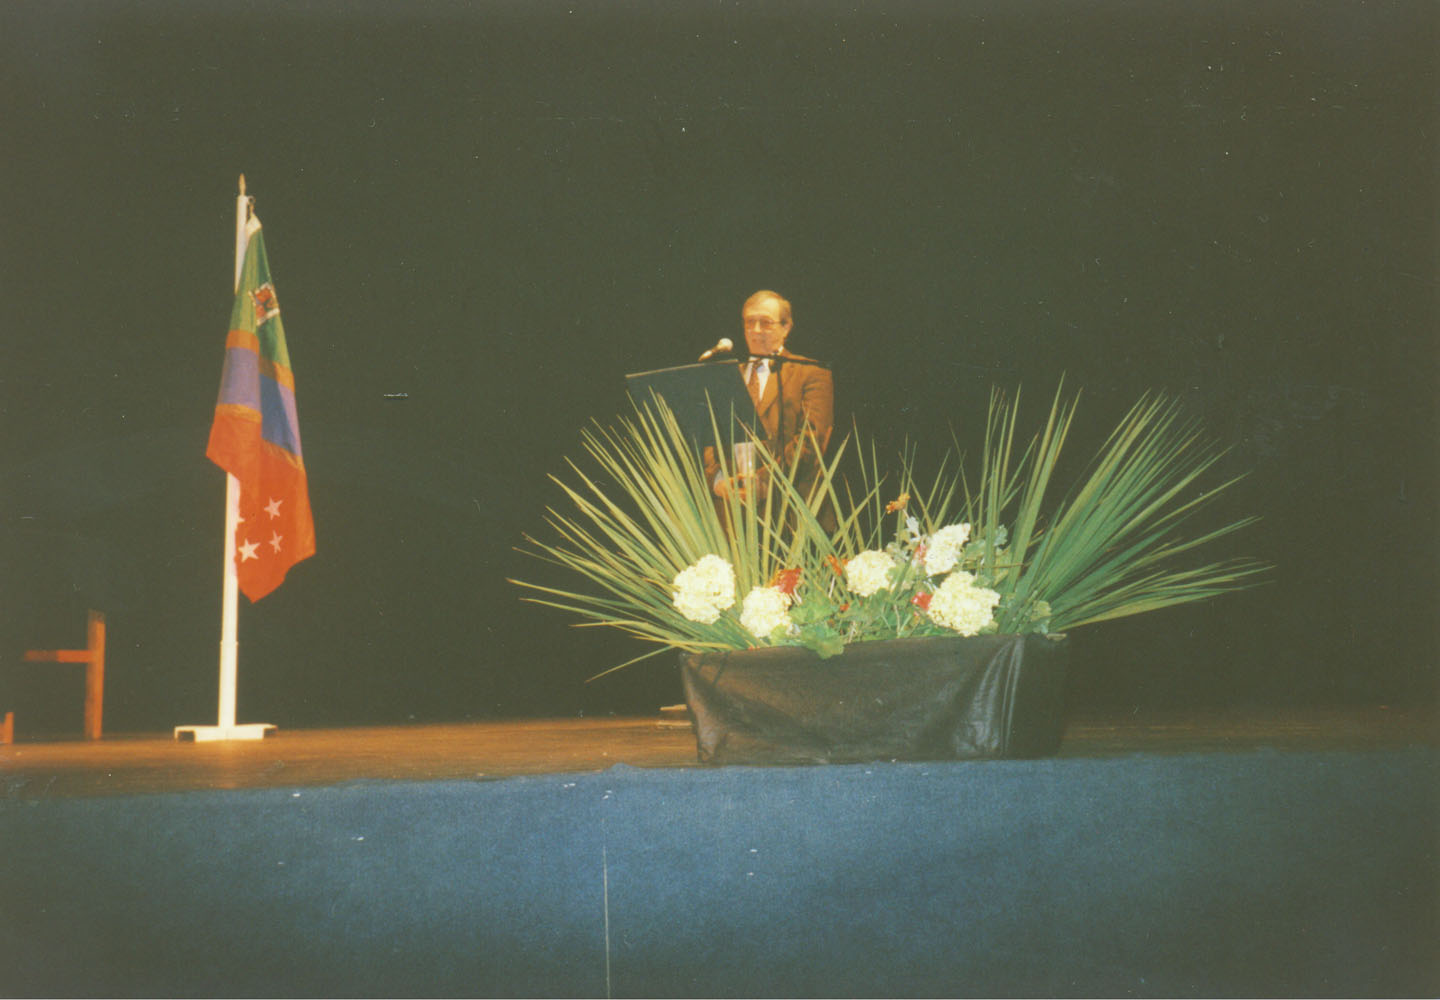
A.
pixel 157 763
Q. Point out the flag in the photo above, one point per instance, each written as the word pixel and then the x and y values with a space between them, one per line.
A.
pixel 256 433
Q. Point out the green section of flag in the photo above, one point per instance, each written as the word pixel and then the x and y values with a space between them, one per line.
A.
pixel 255 289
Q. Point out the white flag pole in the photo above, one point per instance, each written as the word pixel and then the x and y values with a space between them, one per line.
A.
pixel 226 729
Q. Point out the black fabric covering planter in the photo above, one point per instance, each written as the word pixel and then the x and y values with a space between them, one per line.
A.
pixel 946 698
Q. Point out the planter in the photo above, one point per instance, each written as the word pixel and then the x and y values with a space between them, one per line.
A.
pixel 944 698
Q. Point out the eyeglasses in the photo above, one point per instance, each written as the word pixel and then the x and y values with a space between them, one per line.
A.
pixel 763 322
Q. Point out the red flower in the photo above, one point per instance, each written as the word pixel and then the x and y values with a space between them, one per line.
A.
pixel 836 565
pixel 922 601
pixel 785 581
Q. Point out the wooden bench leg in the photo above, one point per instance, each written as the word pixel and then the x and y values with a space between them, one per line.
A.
pixel 93 656
pixel 95 676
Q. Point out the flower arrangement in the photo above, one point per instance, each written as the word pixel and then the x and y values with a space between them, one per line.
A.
pixel 917 585
pixel 670 564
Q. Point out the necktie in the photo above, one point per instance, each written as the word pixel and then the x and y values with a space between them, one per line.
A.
pixel 756 368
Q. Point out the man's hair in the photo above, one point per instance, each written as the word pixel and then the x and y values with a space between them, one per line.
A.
pixel 767 294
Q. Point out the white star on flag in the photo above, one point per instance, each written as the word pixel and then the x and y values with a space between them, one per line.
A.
pixel 275 538
pixel 247 551
pixel 273 508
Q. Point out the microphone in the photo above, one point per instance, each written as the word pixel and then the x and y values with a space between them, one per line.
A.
pixel 723 345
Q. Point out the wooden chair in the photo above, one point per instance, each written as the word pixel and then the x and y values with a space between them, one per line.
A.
pixel 93 656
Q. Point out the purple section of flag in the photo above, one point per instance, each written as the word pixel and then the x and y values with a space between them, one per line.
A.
pixel 240 380
pixel 242 384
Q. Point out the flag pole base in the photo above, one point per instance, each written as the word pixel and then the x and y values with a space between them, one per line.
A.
pixel 211 734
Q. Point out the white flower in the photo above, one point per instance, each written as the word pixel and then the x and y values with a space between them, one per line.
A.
pixel 961 606
pixel 868 572
pixel 705 589
pixel 943 552
pixel 764 610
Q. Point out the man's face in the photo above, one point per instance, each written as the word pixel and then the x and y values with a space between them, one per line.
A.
pixel 764 331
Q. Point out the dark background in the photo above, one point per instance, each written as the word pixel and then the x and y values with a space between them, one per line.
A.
pixel 500 209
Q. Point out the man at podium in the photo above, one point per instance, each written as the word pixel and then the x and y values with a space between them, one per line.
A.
pixel 794 397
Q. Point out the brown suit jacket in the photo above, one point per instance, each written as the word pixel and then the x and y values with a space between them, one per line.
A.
pixel 798 404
